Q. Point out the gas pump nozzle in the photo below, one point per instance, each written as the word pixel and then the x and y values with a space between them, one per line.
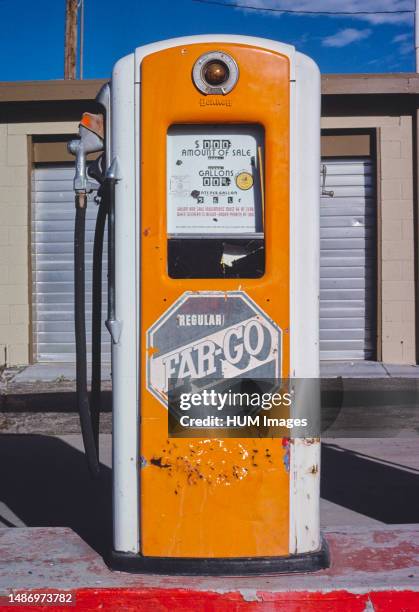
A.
pixel 90 141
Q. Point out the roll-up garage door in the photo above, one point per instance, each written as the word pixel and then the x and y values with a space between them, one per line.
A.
pixel 52 266
pixel 348 260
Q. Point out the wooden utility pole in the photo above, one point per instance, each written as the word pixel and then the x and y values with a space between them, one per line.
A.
pixel 70 53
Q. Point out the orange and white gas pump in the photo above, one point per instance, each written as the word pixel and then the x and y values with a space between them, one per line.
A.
pixel 210 185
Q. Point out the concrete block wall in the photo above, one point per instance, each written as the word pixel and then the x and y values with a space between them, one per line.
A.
pixel 15 236
pixel 397 231
pixel 398 276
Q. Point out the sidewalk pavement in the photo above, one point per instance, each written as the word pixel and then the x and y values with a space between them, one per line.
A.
pixel 47 373
pixel 41 399
pixel 367 369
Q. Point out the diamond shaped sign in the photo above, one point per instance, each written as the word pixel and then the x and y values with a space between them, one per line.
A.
pixel 211 335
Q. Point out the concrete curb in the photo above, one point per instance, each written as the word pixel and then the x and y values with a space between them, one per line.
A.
pixel 46 407
pixel 371 570
pixel 185 600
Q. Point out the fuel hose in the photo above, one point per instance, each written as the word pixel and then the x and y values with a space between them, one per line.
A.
pixel 97 311
pixel 88 419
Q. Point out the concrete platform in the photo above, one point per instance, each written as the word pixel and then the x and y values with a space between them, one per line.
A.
pixel 371 569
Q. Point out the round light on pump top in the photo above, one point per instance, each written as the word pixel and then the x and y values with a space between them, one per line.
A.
pixel 215 72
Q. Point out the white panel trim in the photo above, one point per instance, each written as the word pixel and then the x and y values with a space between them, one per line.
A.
pixel 304 298
pixel 125 367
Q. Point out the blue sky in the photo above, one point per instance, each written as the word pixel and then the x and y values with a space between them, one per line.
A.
pixel 32 40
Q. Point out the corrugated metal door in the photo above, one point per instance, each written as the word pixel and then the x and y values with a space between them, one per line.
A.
pixel 52 266
pixel 348 260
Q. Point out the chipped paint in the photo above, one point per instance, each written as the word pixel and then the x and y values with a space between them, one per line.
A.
pixel 305 494
pixel 142 598
pixel 286 457
pixel 369 606
pixel 210 461
pixel 152 350
pixel 310 441
pixel 159 462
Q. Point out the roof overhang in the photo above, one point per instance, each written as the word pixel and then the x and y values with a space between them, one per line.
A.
pixel 332 85
pixel 50 91
pixel 373 84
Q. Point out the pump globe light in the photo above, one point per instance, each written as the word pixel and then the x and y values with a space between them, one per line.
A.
pixel 215 72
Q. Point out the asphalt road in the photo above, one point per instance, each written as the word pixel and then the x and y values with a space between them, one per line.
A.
pixel 44 482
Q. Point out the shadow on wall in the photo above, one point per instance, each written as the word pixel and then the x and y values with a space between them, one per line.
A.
pixel 384 491
pixel 45 482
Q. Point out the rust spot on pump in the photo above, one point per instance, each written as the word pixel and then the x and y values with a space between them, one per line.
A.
pixel 310 441
pixel 286 457
pixel 210 461
pixel 159 462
